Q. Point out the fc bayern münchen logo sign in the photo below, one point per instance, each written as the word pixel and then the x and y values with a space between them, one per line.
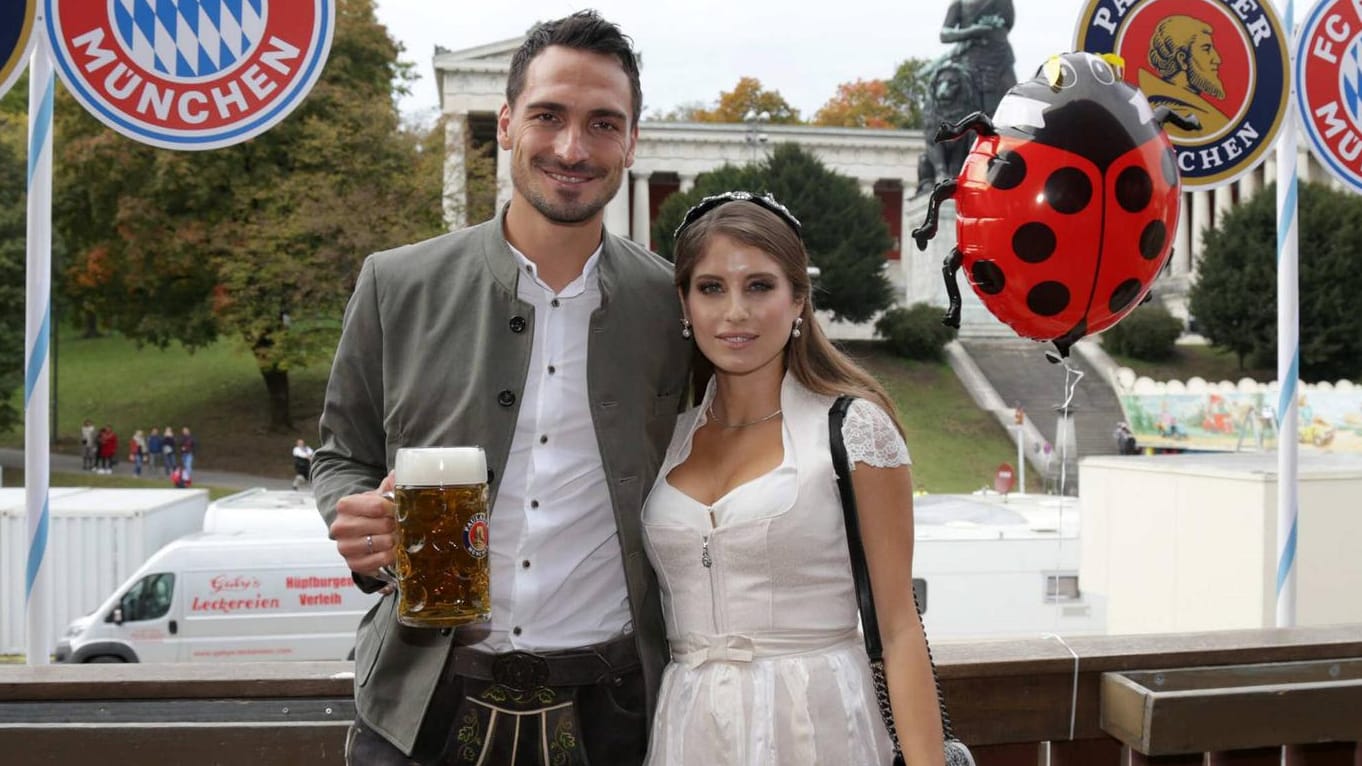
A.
pixel 1225 62
pixel 1329 86
pixel 190 74
pixel 16 39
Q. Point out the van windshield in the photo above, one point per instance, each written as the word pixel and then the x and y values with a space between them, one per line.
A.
pixel 149 598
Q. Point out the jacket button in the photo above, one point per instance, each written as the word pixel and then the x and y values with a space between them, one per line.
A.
pixel 518 324
pixel 506 398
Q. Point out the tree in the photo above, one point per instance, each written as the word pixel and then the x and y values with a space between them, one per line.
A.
pixel 1235 298
pixel 263 239
pixel 13 218
pixel 843 229
pixel 749 97
pixel 908 90
pixel 684 112
pixel 859 104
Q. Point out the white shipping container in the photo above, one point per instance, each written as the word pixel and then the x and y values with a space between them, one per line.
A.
pixel 96 539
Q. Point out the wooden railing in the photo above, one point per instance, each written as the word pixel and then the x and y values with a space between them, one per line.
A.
pixel 1025 702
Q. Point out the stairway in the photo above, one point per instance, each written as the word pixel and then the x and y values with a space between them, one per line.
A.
pixel 1020 373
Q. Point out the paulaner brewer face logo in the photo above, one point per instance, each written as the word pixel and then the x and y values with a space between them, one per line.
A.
pixel 1224 62
pixel 190 74
pixel 1329 86
pixel 16 39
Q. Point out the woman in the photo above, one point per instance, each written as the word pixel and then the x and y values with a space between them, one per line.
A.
pixel 744 526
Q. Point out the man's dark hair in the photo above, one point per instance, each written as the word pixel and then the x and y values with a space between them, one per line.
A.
pixel 583 31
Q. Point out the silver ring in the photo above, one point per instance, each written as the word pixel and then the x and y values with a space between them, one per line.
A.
pixel 369 542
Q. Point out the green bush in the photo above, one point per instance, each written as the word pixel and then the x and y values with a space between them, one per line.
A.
pixel 1149 333
pixel 915 332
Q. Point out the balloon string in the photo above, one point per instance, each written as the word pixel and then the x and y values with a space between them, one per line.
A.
pixel 1071 377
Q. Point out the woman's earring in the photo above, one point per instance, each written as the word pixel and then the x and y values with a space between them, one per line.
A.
pixel 796 332
pixel 685 328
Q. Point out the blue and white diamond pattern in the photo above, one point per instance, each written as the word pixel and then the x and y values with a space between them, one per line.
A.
pixel 189 38
pixel 1350 78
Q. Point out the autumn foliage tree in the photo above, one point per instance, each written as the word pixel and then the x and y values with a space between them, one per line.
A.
pixel 13 217
pixel 748 96
pixel 261 240
pixel 859 104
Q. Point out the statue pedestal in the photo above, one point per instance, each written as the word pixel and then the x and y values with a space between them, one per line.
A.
pixel 922 273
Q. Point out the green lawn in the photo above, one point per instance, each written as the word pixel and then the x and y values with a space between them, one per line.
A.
pixel 14 477
pixel 218 393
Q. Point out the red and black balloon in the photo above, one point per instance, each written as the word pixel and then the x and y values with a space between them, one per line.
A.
pixel 1066 205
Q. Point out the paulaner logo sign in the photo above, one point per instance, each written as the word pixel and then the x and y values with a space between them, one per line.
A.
pixel 16 39
pixel 190 74
pixel 1224 62
pixel 1329 86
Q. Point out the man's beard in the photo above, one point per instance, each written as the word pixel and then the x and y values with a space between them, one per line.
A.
pixel 569 212
pixel 1205 82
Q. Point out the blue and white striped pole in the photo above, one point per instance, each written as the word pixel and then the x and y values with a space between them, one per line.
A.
pixel 37 337
pixel 1288 355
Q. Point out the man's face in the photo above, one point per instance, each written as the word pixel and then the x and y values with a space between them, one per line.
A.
pixel 1203 66
pixel 570 133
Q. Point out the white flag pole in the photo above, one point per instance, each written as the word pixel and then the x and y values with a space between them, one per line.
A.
pixel 37 337
pixel 1288 355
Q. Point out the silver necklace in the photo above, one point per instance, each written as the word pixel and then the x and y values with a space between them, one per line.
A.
pixel 716 419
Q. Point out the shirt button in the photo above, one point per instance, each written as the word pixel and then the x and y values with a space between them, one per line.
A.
pixel 525 564
pixel 544 439
pixel 554 303
pixel 516 630
pixel 552 369
pixel 534 503
pixel 506 398
pixel 518 324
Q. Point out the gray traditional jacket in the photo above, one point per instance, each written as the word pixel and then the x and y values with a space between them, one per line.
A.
pixel 434 352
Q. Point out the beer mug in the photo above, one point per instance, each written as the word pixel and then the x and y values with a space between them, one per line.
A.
pixel 441 506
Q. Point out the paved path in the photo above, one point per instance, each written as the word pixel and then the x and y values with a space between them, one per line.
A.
pixel 14 458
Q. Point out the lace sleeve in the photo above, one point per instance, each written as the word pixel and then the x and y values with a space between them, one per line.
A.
pixel 871 437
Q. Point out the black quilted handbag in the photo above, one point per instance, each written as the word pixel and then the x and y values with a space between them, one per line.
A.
pixel 957 754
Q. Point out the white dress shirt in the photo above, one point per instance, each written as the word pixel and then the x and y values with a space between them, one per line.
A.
pixel 556 567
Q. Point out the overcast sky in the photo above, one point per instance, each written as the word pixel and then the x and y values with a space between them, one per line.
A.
pixel 693 50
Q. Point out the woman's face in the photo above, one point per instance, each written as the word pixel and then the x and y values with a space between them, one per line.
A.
pixel 741 306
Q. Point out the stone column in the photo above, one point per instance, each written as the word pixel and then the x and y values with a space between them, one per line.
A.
pixel 1248 184
pixel 454 199
pixel 617 212
pixel 1223 200
pixel 687 182
pixel 1270 169
pixel 504 184
pixel 1182 245
pixel 642 223
pixel 1201 218
pixel 868 188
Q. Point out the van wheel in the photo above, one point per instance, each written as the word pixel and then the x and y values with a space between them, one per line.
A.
pixel 105 658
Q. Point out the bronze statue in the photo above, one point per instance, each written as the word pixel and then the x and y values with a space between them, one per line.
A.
pixel 971 77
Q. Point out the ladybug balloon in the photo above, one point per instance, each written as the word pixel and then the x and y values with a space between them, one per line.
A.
pixel 1066 204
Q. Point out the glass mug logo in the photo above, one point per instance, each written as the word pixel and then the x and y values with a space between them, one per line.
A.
pixel 441 557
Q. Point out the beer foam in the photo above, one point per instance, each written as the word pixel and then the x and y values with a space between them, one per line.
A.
pixel 440 466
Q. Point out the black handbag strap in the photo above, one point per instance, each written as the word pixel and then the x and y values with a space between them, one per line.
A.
pixel 860 572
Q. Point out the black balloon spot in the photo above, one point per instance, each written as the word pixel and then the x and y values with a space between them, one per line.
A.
pixel 1152 239
pixel 987 276
pixel 1134 189
pixel 1033 242
pixel 1068 190
pixel 1170 168
pixel 1047 299
pixel 1124 294
pixel 1006 171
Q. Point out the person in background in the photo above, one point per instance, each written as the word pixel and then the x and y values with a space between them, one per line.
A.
pixel 108 449
pixel 187 447
pixel 168 449
pixel 302 464
pixel 154 448
pixel 137 451
pixel 89 446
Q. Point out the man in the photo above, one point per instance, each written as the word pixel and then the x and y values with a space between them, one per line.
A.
pixel 89 447
pixel 302 464
pixel 187 447
pixel 555 346
pixel 1186 74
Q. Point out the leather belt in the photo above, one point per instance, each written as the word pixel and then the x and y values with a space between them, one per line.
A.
pixel 526 671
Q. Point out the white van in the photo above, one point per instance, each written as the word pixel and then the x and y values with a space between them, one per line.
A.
pixel 245 595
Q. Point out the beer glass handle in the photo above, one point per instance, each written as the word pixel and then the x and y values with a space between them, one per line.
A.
pixel 386 573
